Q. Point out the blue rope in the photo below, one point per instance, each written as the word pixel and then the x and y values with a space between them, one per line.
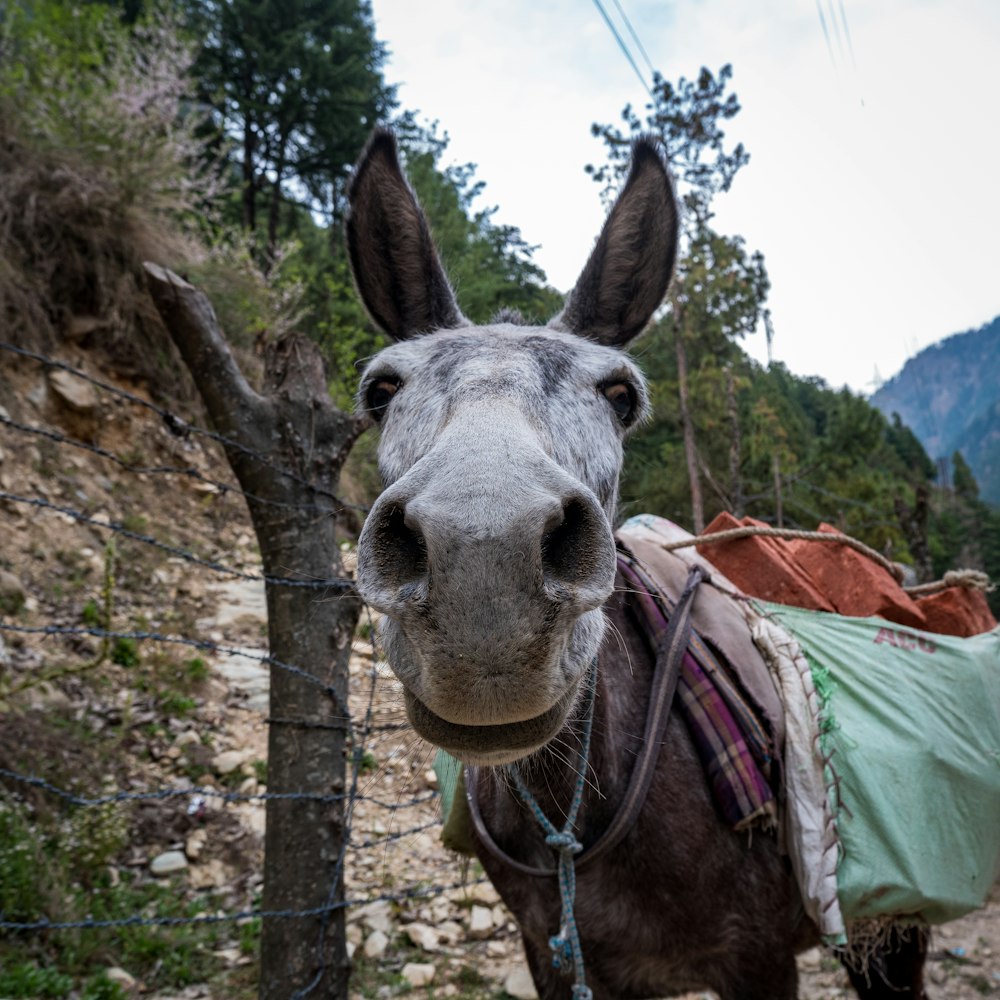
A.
pixel 566 948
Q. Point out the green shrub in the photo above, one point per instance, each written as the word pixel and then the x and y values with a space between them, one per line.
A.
pixel 125 652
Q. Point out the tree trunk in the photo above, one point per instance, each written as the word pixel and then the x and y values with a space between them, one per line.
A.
pixel 249 196
pixel 735 446
pixel 296 426
pixel 913 521
pixel 274 215
pixel 690 451
pixel 779 515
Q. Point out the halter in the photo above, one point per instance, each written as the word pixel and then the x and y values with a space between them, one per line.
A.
pixel 571 856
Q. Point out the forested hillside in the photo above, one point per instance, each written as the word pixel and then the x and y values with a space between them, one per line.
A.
pixel 949 394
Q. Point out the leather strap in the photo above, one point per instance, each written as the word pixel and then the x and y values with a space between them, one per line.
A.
pixel 669 657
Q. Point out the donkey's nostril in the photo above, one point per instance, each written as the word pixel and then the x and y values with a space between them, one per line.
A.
pixel 573 545
pixel 398 547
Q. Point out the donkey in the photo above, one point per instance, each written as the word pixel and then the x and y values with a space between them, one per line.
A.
pixel 490 553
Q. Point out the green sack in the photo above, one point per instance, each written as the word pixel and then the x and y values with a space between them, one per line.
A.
pixel 456 834
pixel 910 725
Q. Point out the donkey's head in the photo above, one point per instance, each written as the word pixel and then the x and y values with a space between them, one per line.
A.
pixel 490 551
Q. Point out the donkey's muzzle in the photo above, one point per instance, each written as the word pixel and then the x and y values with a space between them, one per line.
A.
pixel 549 554
pixel 489 576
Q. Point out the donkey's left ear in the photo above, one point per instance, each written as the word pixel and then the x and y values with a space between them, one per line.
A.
pixel 395 264
pixel 629 269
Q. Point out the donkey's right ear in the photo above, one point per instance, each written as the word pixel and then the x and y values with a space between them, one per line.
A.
pixel 395 264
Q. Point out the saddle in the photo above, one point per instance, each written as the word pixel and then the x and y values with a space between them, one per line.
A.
pixel 891 747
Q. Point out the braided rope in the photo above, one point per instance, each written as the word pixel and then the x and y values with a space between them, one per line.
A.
pixel 750 530
pixel 971 579
pixel 565 945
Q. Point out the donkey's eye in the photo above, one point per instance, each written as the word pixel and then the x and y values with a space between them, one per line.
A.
pixel 379 396
pixel 621 396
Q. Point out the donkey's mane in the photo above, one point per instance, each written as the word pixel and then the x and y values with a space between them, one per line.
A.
pixel 511 316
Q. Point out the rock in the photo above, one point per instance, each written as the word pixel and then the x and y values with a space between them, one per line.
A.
pixel 187 738
pixel 376 916
pixel 480 922
pixel 424 937
pixel 78 327
pixel 450 931
pixel 938 974
pixel 811 959
pixel 376 944
pixel 519 984
pixel 240 599
pixel 229 760
pixel 37 396
pixel 209 875
pixel 12 593
pixel 483 892
pixel 245 674
pixel 497 949
pixel 47 697
pixel 195 843
pixel 418 974
pixel 168 863
pixel 500 916
pixel 121 978
pixel 76 402
pixel 431 779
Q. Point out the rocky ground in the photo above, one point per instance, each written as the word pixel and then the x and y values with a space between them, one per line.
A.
pixel 142 717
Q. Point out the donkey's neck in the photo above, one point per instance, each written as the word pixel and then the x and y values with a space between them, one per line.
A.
pixel 624 674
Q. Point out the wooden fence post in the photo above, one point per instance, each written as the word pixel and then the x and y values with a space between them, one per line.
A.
pixel 294 425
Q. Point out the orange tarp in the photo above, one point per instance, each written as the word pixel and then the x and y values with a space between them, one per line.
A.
pixel 831 576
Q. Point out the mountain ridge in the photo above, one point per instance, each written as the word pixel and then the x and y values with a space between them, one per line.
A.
pixel 949 395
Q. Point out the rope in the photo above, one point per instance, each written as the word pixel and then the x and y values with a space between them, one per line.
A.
pixel 565 945
pixel 749 531
pixel 971 579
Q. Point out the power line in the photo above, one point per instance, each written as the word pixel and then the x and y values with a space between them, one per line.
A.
pixel 635 36
pixel 621 44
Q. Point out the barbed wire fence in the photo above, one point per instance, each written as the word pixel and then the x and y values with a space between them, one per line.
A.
pixel 364 731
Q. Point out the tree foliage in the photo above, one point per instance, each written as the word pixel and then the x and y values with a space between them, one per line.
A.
pixel 687 118
pixel 719 289
pixel 297 85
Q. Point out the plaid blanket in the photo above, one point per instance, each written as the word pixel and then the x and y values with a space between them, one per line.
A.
pixel 731 741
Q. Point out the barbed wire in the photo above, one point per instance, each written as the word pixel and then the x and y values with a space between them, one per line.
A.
pixel 361 733
pixel 204 645
pixel 189 471
pixel 205 792
pixel 418 892
pixel 177 425
pixel 336 583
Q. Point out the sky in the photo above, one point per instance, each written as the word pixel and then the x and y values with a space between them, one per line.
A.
pixel 873 126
